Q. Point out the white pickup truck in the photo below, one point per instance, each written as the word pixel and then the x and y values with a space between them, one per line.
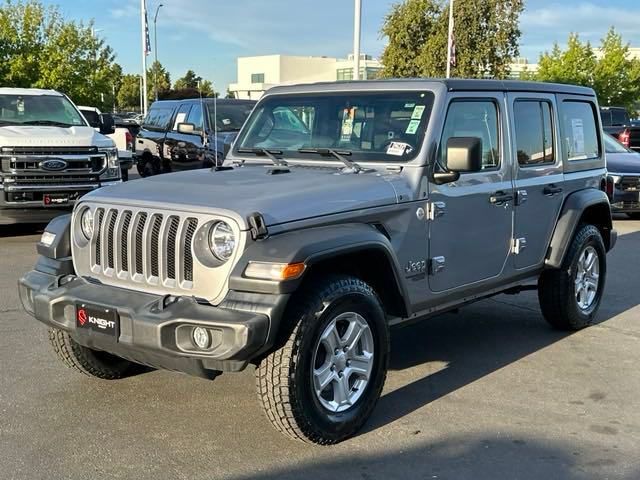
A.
pixel 122 136
pixel 49 155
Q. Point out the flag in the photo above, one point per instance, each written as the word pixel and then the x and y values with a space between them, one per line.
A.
pixel 147 43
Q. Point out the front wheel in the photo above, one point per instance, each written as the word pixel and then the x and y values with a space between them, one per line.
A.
pixel 323 383
pixel 570 296
pixel 90 362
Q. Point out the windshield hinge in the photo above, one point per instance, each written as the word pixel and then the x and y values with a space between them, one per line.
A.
pixel 257 226
pixel 436 210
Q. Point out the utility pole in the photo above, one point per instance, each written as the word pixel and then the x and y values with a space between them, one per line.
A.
pixel 144 102
pixel 450 39
pixel 155 48
pixel 356 39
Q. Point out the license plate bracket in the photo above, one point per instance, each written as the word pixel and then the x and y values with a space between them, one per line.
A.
pixel 104 320
pixel 55 199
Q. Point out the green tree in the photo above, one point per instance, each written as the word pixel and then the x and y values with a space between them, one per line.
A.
pixel 38 48
pixel 408 26
pixel 230 94
pixel 486 37
pixel 157 73
pixel 129 93
pixel 190 80
pixel 609 71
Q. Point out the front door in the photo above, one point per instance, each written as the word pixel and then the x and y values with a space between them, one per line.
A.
pixel 538 175
pixel 471 229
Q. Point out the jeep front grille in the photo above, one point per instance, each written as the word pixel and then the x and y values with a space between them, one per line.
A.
pixel 144 247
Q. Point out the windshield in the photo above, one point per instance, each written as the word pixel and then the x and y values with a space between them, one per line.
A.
pixel 386 126
pixel 38 110
pixel 611 145
pixel 230 117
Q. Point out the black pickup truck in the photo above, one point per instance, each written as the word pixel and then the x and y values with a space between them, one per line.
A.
pixel 188 134
pixel 617 122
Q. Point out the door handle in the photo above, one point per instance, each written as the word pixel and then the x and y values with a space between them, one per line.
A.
pixel 500 198
pixel 551 190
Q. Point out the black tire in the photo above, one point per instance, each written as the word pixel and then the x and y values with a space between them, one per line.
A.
pixel 557 288
pixel 284 378
pixel 124 174
pixel 634 215
pixel 87 361
pixel 148 166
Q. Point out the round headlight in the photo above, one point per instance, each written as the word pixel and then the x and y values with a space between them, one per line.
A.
pixel 222 241
pixel 86 223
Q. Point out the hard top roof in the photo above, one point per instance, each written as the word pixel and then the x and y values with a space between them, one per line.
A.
pixel 453 85
pixel 28 91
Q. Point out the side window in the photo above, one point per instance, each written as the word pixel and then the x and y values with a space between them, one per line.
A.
pixel 473 118
pixel 195 116
pixel 158 118
pixel 534 132
pixel 181 115
pixel 579 130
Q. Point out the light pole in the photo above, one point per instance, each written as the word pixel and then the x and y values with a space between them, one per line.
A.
pixel 155 48
pixel 356 39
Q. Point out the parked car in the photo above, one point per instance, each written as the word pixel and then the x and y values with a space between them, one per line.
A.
pixel 176 135
pixel 623 179
pixel 121 136
pixel 616 122
pixel 375 204
pixel 49 155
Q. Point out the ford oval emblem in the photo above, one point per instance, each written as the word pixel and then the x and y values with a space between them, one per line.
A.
pixel 53 165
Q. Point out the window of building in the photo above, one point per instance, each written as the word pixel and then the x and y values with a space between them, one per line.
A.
pixel 345 74
pixel 580 130
pixel 473 118
pixel 257 78
pixel 534 132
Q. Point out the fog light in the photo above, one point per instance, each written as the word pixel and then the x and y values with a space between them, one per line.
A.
pixel 201 338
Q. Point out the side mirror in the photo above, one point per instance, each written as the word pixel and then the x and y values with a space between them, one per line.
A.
pixel 186 128
pixel 107 124
pixel 464 155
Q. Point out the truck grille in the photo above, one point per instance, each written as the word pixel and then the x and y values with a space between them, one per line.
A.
pixel 144 247
pixel 630 184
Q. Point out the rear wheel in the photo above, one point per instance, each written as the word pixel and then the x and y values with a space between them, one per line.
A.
pixel 634 215
pixel 90 362
pixel 323 383
pixel 570 296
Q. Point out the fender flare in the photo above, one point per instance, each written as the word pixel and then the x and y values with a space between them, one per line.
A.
pixel 572 212
pixel 311 246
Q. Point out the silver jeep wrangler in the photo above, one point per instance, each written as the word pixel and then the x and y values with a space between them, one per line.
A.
pixel 343 209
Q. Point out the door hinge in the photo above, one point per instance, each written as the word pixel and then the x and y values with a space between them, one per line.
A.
pixel 518 245
pixel 436 210
pixel 521 197
pixel 436 265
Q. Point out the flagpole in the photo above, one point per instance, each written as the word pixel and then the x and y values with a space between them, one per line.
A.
pixel 450 39
pixel 356 39
pixel 143 23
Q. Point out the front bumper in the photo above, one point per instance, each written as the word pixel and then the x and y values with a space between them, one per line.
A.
pixel 153 329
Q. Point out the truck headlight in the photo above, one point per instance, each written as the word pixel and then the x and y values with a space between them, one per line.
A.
pixel 113 164
pixel 222 240
pixel 86 223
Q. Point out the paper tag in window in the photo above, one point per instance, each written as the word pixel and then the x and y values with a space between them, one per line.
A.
pixel 412 128
pixel 398 149
pixel 347 124
pixel 409 105
pixel 577 128
pixel 417 112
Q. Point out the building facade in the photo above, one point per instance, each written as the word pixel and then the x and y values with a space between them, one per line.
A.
pixel 258 74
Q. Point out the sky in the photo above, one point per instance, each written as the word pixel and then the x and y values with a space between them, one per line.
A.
pixel 208 35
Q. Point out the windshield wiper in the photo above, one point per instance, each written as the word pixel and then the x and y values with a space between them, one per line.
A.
pixel 263 152
pixel 328 152
pixel 49 123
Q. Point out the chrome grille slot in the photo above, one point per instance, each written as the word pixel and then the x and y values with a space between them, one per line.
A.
pixel 144 247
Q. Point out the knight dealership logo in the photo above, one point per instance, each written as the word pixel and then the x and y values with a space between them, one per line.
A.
pixel 84 318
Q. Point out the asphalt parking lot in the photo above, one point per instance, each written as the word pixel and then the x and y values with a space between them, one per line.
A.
pixel 488 393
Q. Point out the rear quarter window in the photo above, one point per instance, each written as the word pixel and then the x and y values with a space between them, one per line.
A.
pixel 158 118
pixel 580 131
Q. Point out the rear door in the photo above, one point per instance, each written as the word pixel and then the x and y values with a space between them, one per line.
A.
pixel 471 229
pixel 538 175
